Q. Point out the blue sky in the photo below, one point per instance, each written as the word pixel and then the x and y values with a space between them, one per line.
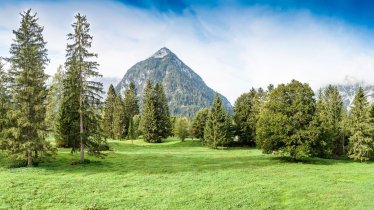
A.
pixel 232 45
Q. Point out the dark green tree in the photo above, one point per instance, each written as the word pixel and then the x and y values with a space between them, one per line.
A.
pixel 131 133
pixel 162 112
pixel 283 125
pixel 361 142
pixel 199 122
pixel 148 123
pixel 131 105
pixel 119 119
pixel 4 106
pixel 80 63
pixel 217 128
pixel 28 90
pixel 245 118
pixel 181 128
pixel 108 113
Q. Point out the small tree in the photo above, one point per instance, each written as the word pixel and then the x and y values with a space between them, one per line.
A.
pixel 199 123
pixel 181 128
pixel 108 113
pixel 217 128
pixel 119 124
pixel 149 124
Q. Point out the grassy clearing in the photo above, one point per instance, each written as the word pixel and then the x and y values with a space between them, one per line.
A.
pixel 184 175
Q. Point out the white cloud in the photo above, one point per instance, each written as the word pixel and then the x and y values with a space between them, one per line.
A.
pixel 231 49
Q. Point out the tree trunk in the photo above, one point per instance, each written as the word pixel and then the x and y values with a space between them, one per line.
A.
pixel 29 158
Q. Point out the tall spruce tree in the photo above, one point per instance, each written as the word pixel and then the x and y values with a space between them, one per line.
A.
pixel 245 118
pixel 283 125
pixel 361 142
pixel 54 100
pixel 28 89
pixel 4 106
pixel 119 119
pixel 131 107
pixel 199 122
pixel 108 113
pixel 148 121
pixel 162 112
pixel 217 128
pixel 81 69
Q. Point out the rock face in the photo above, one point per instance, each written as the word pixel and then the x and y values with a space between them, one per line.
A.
pixel 186 91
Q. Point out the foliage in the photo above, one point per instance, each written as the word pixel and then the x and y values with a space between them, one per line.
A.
pixel 217 128
pixel 28 90
pixel 283 124
pixel 181 128
pixel 119 119
pixel 108 113
pixel 199 122
pixel 361 142
pixel 131 107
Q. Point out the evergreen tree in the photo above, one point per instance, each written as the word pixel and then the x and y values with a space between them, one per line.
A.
pixel 54 100
pixel 131 133
pixel 199 122
pixel 283 125
pixel 217 128
pixel 162 112
pixel 361 142
pixel 119 119
pixel 4 106
pixel 137 128
pixel 131 105
pixel 245 118
pixel 81 70
pixel 28 89
pixel 108 113
pixel 328 122
pixel 181 128
pixel 149 122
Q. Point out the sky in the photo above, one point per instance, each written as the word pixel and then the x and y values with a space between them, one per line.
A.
pixel 233 45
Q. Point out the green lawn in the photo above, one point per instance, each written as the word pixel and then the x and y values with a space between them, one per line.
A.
pixel 176 175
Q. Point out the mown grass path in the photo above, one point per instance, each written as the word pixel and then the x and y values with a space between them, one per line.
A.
pixel 176 175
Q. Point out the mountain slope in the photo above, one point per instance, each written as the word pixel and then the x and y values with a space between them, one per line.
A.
pixel 186 91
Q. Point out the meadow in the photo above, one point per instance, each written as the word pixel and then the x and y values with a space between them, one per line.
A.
pixel 186 175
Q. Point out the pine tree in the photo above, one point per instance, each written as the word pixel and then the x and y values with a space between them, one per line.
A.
pixel 137 128
pixel 162 112
pixel 119 119
pixel 108 113
pixel 245 118
pixel 28 89
pixel 81 70
pixel 284 122
pixel 4 106
pixel 199 122
pixel 131 133
pixel 131 105
pixel 361 142
pixel 148 123
pixel 181 128
pixel 217 128
pixel 54 100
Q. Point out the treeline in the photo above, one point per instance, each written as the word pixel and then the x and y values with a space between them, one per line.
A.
pixel 291 121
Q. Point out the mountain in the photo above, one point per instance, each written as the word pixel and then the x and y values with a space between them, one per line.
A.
pixel 186 91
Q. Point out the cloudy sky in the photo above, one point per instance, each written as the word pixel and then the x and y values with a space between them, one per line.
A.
pixel 232 45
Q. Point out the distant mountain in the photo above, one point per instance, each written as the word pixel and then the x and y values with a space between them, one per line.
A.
pixel 349 88
pixel 186 91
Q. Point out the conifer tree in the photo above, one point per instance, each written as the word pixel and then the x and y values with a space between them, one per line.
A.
pixel 131 132
pixel 283 125
pixel 361 142
pixel 4 106
pixel 54 99
pixel 131 107
pixel 81 69
pixel 108 113
pixel 137 128
pixel 181 128
pixel 245 118
pixel 199 122
pixel 28 89
pixel 119 119
pixel 217 128
pixel 162 112
pixel 148 124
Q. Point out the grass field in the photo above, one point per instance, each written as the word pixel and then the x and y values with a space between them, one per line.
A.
pixel 184 175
